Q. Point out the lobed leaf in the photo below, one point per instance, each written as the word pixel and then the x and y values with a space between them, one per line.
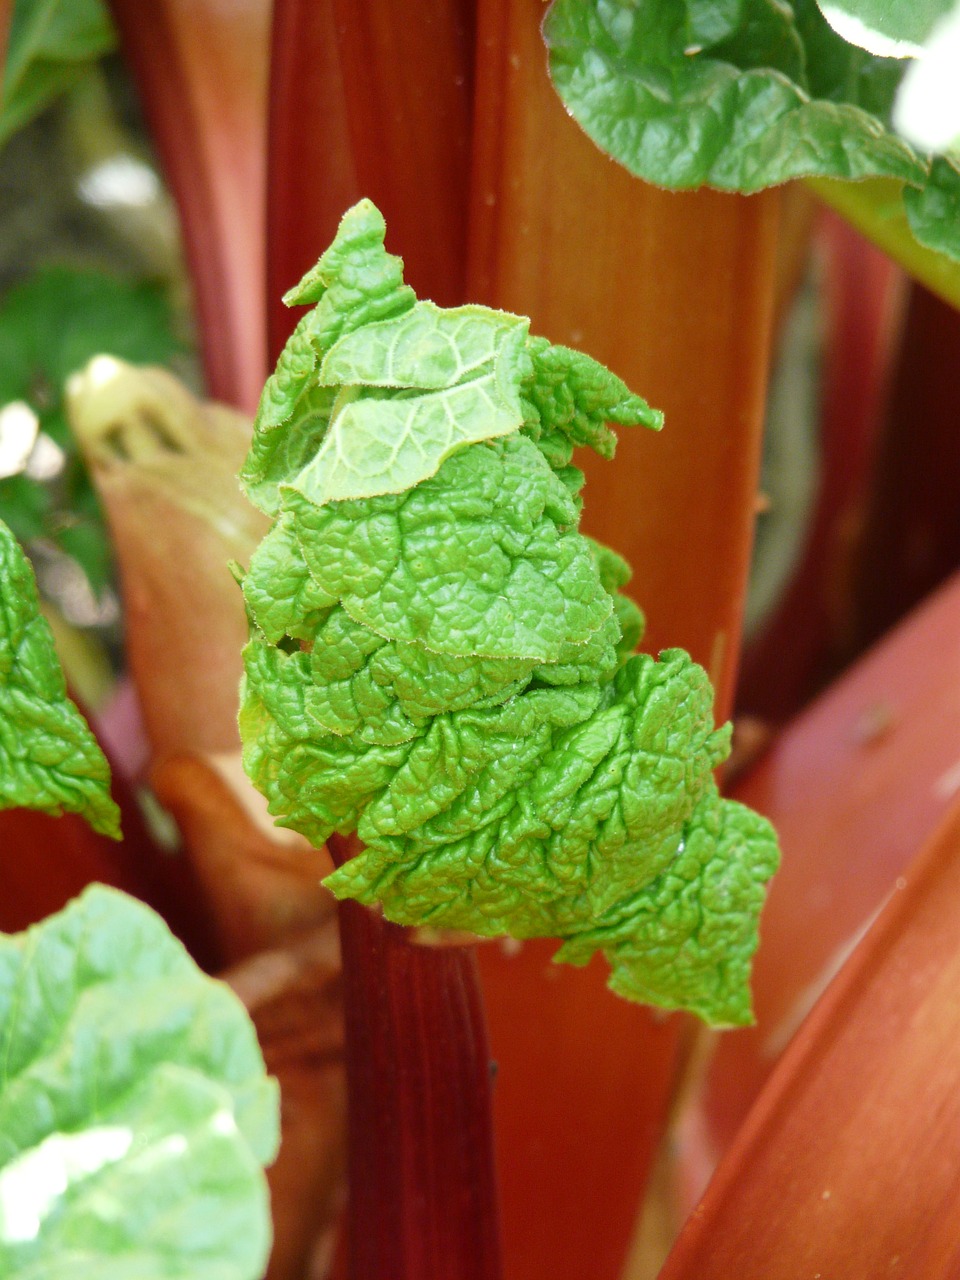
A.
pixel 49 759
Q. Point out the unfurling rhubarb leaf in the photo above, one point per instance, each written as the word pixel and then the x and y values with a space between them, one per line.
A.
pixel 441 661
pixel 742 96
pixel 49 759
pixel 135 1112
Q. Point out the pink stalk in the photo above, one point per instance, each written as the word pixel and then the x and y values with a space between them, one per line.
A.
pixel 201 68
pixel 847 1164
pixel 878 750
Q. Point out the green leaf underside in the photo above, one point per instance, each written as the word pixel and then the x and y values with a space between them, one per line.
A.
pixel 135 1113
pixel 449 670
pixel 740 97
pixel 49 759
pixel 412 389
pixel 896 20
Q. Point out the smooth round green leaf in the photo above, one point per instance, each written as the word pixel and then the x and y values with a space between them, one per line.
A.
pixel 135 1112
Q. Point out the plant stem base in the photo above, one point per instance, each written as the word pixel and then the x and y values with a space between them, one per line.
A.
pixel 422 1183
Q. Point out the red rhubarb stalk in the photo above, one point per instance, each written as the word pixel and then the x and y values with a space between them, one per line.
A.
pixel 422 1188
pixel 847 1163
pixel 368 100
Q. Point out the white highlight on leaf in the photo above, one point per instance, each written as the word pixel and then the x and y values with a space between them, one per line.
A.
pixel 31 1184
pixel 223 1123
pixel 855 31
pixel 18 433
pixel 120 181
pixel 927 108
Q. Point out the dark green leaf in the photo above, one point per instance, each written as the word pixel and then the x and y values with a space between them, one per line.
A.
pixel 740 96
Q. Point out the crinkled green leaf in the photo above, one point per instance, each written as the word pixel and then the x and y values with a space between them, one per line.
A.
pixel 355 283
pixel 448 669
pixel 741 96
pixel 483 558
pixel 687 939
pixel 933 210
pixel 614 574
pixel 730 115
pixel 574 817
pixel 315 782
pixel 282 598
pixel 51 44
pixel 577 397
pixel 135 1113
pixel 49 759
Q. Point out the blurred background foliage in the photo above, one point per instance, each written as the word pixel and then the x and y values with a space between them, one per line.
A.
pixel 90 263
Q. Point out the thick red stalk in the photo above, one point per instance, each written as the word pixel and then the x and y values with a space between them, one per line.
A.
pixel 375 100
pixel 878 751
pixel 674 292
pixel 422 1186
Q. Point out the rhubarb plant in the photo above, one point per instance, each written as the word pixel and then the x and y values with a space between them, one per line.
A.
pixel 442 663
pixel 135 1112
